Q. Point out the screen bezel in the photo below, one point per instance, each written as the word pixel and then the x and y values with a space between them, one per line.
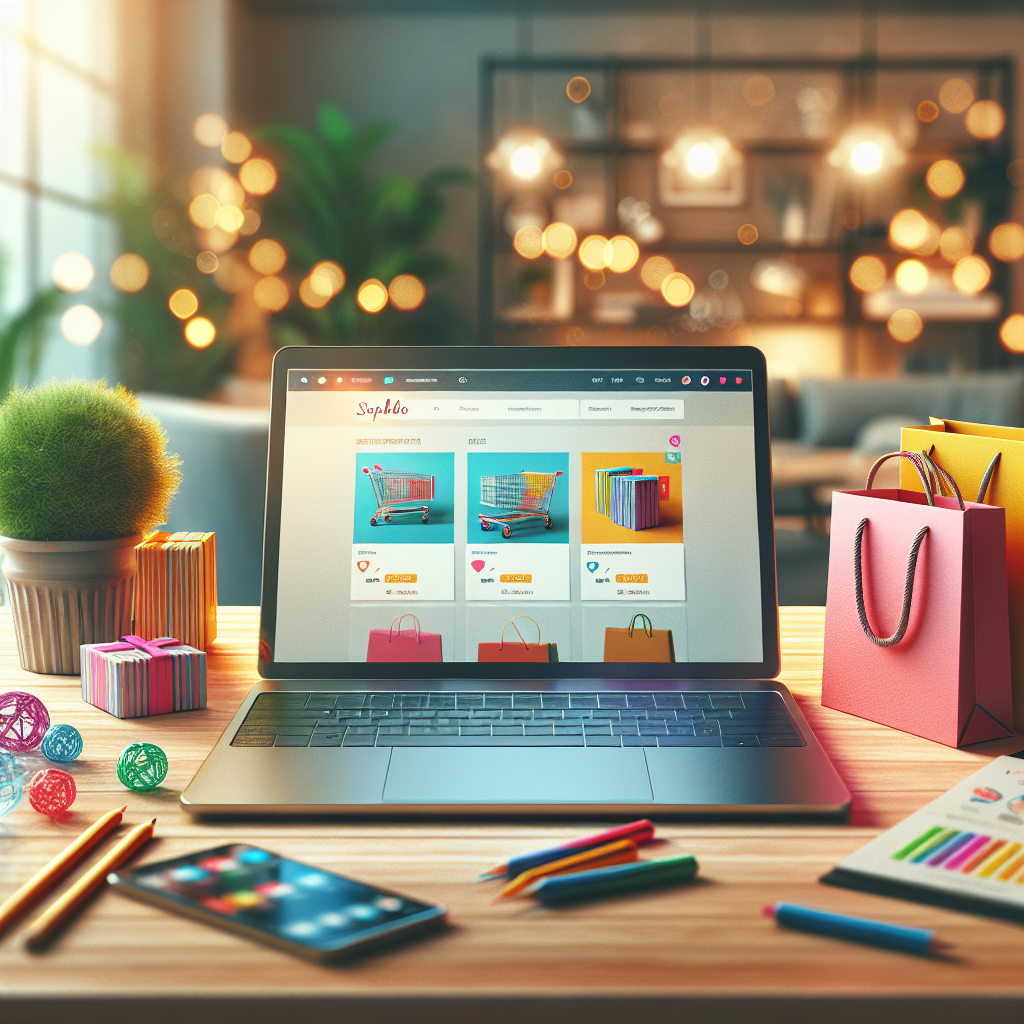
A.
pixel 339 358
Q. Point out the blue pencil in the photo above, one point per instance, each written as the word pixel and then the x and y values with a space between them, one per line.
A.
pixel 641 874
pixel 859 929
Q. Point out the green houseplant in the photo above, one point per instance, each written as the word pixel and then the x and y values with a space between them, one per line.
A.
pixel 84 474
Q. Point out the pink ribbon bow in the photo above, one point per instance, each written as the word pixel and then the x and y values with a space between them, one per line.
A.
pixel 161 684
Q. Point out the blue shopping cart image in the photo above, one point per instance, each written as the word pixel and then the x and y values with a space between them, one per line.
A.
pixel 518 496
pixel 405 498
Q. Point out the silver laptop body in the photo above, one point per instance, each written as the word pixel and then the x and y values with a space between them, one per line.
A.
pixel 518 581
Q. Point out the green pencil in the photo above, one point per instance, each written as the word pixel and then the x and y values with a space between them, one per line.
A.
pixel 643 874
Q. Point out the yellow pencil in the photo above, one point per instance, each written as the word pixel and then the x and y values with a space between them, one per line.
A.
pixel 58 867
pixel 604 856
pixel 43 929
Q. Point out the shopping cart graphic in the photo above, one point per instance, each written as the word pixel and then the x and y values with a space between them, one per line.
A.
pixel 519 498
pixel 391 485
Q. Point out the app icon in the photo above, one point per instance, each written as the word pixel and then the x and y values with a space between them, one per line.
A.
pixel 389 380
pixel 1017 805
pixel 362 566
pixel 463 380
pixel 592 566
pixel 739 380
pixel 321 380
pixel 478 564
pixel 686 380
pixel 721 380
pixel 674 441
pixel 303 380
pixel 705 381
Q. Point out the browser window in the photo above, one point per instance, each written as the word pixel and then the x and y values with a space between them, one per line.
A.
pixel 523 515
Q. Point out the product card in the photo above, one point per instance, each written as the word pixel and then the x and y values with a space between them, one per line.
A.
pixel 403 572
pixel 525 572
pixel 647 572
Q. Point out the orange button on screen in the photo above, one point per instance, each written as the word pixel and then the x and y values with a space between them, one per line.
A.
pixel 631 577
pixel 516 577
pixel 400 577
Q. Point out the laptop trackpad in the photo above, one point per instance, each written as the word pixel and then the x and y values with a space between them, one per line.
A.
pixel 507 775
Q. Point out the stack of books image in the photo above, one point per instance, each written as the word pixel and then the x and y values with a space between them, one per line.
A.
pixel 635 502
pixel 132 683
pixel 176 588
pixel 602 485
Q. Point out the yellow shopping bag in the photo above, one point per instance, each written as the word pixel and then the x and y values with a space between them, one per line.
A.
pixel 990 459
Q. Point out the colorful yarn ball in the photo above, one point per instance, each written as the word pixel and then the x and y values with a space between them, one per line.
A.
pixel 23 722
pixel 142 766
pixel 62 743
pixel 11 777
pixel 51 791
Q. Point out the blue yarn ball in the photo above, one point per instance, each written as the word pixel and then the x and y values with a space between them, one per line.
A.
pixel 62 743
pixel 11 777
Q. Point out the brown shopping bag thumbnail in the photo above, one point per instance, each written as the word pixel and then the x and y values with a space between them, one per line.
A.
pixel 517 650
pixel 916 626
pixel 639 643
pixel 976 455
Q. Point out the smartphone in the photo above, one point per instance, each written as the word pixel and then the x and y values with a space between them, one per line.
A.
pixel 305 910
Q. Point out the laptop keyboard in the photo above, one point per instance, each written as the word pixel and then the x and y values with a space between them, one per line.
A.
pixel 458 719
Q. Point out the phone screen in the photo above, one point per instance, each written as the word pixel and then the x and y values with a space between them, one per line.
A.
pixel 247 888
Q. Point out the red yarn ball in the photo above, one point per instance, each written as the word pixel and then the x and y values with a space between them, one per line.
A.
pixel 51 791
pixel 23 722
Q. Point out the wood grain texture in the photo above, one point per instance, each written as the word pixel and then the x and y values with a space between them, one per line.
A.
pixel 705 949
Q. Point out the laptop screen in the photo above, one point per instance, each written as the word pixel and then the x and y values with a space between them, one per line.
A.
pixel 514 520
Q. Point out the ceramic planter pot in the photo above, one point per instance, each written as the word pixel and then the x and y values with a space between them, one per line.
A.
pixel 65 593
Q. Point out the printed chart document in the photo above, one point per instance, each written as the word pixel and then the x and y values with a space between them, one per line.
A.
pixel 964 850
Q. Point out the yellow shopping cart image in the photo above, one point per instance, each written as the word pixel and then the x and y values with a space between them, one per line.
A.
pixel 520 498
pixel 392 485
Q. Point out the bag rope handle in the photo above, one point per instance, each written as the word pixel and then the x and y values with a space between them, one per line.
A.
pixel 943 476
pixel 512 623
pixel 648 628
pixel 918 465
pixel 987 478
pixel 908 587
pixel 417 627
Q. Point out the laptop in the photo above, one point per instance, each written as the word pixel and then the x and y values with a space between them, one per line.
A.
pixel 518 581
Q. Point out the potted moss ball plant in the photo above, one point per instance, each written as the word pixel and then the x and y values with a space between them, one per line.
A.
pixel 84 474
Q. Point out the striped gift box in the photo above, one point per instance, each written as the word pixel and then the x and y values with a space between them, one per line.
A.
pixel 635 502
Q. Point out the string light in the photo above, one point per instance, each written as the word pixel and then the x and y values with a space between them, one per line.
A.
pixel 905 325
pixel 129 272
pixel 236 147
pixel 1011 333
pixel 258 176
pixel 267 256
pixel 72 272
pixel 677 289
pixel 271 294
pixel 945 178
pixel 372 296
pixel 529 242
pixel 1006 242
pixel 867 274
pixel 986 119
pixel 200 332
pixel 911 277
pixel 971 274
pixel 81 325
pixel 209 130
pixel 595 252
pixel 183 303
pixel 559 240
pixel 655 270
pixel 407 292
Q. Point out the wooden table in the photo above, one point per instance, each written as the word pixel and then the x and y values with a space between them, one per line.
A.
pixel 703 952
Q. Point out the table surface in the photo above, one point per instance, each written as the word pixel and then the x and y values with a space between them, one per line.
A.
pixel 707 945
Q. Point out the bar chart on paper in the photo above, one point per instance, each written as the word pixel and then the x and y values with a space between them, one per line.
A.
pixel 966 852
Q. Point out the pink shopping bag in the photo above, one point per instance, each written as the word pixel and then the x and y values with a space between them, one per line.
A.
pixel 403 644
pixel 916 624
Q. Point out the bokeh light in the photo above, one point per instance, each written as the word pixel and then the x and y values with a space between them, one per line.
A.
pixel 955 243
pixel 236 147
pixel 129 272
pixel 625 253
pixel 407 292
pixel 905 325
pixel 593 280
pixel 310 294
pixel 234 273
pixel 183 303
pixel 200 332
pixel 529 242
pixel 251 221
pixel 910 229
pixel 578 89
pixel 758 90
pixel 229 191
pixel 209 130
pixel 868 273
pixel 1006 242
pixel 655 270
pixel 267 256
pixel 945 178
pixel 258 176
pixel 217 240
pixel 595 252
pixel 956 95
pixel 747 234
pixel 927 111
pixel 271 294
pixel 72 272
pixel 677 289
pixel 202 211
pixel 525 162
pixel 1011 333
pixel 207 262
pixel 986 119
pixel 559 240
pixel 81 325
pixel 867 157
pixel 229 218
pixel 971 274
pixel 562 179
pixel 327 278
pixel 372 296
pixel 911 277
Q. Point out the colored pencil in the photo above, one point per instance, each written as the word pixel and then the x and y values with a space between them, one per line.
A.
pixel 619 852
pixel 46 926
pixel 859 929
pixel 641 831
pixel 58 867
pixel 641 874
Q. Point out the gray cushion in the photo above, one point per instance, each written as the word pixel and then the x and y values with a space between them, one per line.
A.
pixel 882 434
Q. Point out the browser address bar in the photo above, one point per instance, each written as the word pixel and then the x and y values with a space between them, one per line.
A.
pixel 543 409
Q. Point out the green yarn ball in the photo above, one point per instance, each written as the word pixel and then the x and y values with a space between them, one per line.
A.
pixel 142 766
